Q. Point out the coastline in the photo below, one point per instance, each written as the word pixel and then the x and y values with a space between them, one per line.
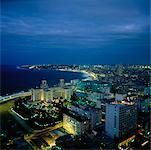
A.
pixel 16 79
pixel 88 75
pixel 5 99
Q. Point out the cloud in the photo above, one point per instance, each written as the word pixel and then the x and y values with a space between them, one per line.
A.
pixel 67 17
pixel 85 25
pixel 127 28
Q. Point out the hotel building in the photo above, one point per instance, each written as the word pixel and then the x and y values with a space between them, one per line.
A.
pixel 44 93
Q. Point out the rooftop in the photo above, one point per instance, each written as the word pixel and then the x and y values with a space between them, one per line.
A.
pixel 85 102
pixel 75 115
pixel 122 103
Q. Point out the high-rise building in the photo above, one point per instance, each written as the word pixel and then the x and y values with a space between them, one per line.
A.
pixel 119 70
pixel 121 118
pixel 62 83
pixel 36 94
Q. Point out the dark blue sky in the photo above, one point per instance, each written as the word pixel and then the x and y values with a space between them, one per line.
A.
pixel 75 31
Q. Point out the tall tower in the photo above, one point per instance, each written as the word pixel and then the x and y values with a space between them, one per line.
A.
pixel 44 87
pixel 44 84
pixel 62 83
pixel 119 70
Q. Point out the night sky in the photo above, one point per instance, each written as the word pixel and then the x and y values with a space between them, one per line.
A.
pixel 75 31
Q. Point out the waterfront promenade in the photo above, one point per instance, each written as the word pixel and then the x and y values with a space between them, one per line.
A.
pixel 4 99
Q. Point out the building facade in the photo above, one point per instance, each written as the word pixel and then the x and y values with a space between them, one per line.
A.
pixel 75 124
pixel 56 93
pixel 120 118
pixel 36 94
pixel 93 114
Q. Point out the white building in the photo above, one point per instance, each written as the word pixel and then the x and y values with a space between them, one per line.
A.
pixel 67 92
pixel 48 95
pixel 74 82
pixel 121 118
pixel 57 92
pixel 44 93
pixel 93 114
pixel 36 94
pixel 74 123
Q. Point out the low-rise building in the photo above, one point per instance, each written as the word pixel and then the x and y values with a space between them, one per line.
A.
pixel 94 86
pixel 147 91
pixel 143 105
pixel 92 113
pixel 74 123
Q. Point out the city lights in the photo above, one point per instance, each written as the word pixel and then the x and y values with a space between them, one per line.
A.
pixel 75 75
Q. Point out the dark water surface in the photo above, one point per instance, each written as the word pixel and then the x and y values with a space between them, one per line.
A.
pixel 15 80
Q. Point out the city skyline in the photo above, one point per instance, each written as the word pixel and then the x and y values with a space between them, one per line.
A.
pixel 75 74
pixel 75 32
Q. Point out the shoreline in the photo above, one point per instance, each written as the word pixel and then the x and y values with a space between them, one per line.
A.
pixel 87 76
pixel 32 77
pixel 90 75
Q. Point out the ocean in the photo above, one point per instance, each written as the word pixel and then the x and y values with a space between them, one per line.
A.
pixel 15 80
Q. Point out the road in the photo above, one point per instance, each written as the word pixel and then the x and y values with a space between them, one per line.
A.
pixel 21 122
pixel 42 132
pixel 4 99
